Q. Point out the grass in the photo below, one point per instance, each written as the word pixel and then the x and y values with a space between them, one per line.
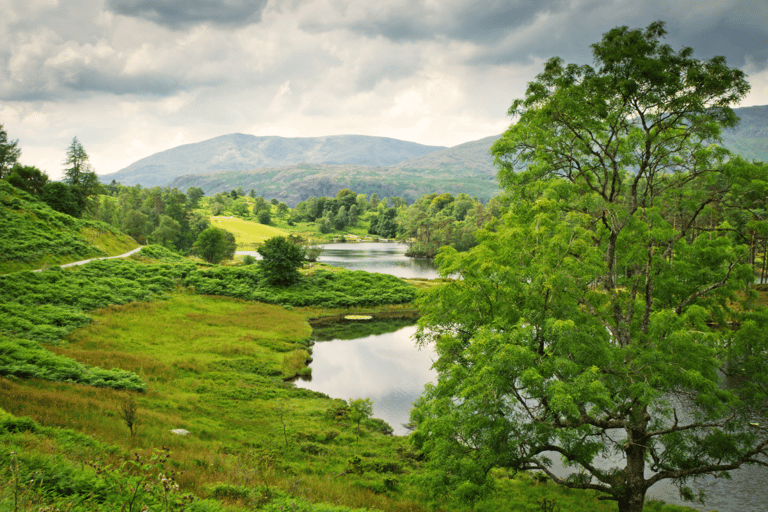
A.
pixel 35 236
pixel 248 235
pixel 216 367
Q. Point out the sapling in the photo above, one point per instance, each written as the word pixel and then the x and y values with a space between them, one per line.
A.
pixel 360 409
pixel 129 412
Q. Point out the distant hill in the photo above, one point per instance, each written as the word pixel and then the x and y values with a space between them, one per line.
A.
pixel 750 138
pixel 325 165
pixel 237 152
pixel 464 168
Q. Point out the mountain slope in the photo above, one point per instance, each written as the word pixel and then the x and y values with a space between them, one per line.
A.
pixel 237 152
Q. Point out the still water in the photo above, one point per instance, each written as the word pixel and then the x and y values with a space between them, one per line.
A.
pixel 387 368
pixel 383 257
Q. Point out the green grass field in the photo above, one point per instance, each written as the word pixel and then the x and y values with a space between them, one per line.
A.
pixel 248 235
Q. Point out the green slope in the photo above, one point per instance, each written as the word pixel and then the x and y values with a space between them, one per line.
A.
pixel 34 235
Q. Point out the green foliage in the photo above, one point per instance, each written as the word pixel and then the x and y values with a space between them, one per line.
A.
pixel 215 244
pixel 28 178
pixel 34 234
pixel 25 359
pixel 360 409
pixel 44 307
pixel 280 261
pixel 606 293
pixel 328 289
pixel 9 152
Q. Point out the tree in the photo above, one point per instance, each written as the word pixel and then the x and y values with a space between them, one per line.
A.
pixel 194 194
pixel 9 153
pixel 280 260
pixel 215 244
pixel 264 217
pixel 79 174
pixel 59 196
pixel 167 232
pixel 28 178
pixel 76 164
pixel 360 409
pixel 594 318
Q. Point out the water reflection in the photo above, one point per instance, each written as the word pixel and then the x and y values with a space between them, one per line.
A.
pixel 387 368
pixel 383 257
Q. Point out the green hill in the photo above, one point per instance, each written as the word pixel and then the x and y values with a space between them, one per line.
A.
pixel 34 235
pixel 238 152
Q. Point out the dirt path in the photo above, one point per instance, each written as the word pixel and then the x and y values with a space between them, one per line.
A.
pixel 83 262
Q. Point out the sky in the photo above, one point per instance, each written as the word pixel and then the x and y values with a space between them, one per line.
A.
pixel 130 78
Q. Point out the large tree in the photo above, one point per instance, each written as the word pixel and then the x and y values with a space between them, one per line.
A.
pixel 594 322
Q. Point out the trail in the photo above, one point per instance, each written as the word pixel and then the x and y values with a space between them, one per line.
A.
pixel 83 262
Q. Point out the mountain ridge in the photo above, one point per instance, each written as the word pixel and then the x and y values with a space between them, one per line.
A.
pixel 238 151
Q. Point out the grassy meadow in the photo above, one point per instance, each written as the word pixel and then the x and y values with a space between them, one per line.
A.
pixel 217 367
pixel 248 235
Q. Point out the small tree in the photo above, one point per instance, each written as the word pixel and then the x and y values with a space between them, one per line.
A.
pixel 9 153
pixel 281 260
pixel 214 245
pixel 264 217
pixel 129 412
pixel 79 174
pixel 360 409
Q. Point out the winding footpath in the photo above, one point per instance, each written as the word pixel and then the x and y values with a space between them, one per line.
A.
pixel 83 262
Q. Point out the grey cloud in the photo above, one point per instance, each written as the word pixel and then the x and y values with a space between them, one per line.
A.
pixel 179 14
pixel 468 20
pixel 508 32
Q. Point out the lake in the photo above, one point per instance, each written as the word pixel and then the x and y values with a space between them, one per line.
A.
pixel 382 257
pixel 385 367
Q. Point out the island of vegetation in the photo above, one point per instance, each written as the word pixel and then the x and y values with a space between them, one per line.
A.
pixel 609 287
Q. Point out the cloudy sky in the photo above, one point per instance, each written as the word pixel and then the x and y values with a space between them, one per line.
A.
pixel 130 78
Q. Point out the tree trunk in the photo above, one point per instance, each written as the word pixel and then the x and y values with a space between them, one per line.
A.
pixel 634 495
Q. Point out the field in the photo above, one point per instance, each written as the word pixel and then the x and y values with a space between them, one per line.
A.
pixel 248 235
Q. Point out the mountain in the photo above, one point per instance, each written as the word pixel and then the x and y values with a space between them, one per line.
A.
pixel 238 152
pixel 464 168
pixel 293 170
pixel 750 138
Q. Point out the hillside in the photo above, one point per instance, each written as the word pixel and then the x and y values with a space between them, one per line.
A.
pixel 750 138
pixel 237 152
pixel 296 183
pixel 35 235
pixel 291 170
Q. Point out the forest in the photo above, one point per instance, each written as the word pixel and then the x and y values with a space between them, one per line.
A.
pixel 607 310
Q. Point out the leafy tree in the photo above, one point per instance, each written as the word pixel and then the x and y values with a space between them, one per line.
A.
pixel 135 224
pixel 9 152
pixel 260 204
pixel 602 304
pixel 264 217
pixel 194 194
pixel 59 196
pixel 280 260
pixel 215 244
pixel 167 232
pixel 360 409
pixel 28 178
pixel 240 208
pixel 346 198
